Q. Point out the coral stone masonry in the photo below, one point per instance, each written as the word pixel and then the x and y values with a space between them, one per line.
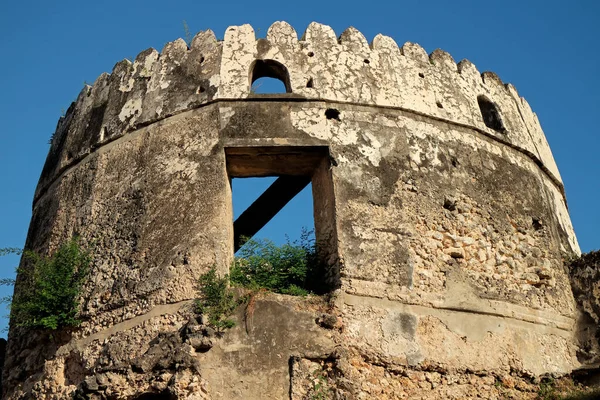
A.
pixel 440 217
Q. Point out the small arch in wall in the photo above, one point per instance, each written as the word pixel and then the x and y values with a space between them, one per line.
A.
pixel 491 114
pixel 270 69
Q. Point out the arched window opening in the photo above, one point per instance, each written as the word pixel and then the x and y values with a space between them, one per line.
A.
pixel 269 76
pixel 267 86
pixel 490 114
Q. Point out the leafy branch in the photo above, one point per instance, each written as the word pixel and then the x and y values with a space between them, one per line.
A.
pixel 292 268
pixel 48 297
pixel 10 250
pixel 216 301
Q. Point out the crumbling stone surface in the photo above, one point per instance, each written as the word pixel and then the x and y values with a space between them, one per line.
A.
pixel 330 321
pixel 349 374
pixel 444 238
pixel 352 376
pixel 253 359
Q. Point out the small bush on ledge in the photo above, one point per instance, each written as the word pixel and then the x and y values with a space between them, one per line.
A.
pixel 291 269
pixel 48 296
pixel 216 300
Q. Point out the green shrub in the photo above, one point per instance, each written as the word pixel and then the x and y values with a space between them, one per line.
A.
pixel 547 390
pixel 288 269
pixel 320 389
pixel 48 295
pixel 216 300
pixel 565 389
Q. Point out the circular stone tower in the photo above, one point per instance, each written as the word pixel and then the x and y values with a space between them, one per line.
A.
pixel 439 213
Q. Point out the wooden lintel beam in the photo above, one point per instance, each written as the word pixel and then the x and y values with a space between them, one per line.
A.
pixel 268 204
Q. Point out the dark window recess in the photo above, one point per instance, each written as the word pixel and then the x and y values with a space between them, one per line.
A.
pixel 269 76
pixel 490 114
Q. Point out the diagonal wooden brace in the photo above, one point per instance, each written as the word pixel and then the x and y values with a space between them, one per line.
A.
pixel 268 204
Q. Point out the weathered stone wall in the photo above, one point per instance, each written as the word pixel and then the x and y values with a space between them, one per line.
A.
pixel 445 237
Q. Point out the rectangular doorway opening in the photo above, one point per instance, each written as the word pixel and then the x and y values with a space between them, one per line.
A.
pixel 284 218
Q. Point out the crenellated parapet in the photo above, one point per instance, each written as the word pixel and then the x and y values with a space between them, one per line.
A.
pixel 153 87
pixel 319 66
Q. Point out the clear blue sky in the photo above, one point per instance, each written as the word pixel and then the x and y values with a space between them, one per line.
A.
pixel 548 49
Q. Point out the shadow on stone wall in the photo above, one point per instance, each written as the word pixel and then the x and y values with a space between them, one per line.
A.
pixel 585 283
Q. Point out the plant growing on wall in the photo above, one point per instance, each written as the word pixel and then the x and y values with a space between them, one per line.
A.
pixel 216 300
pixel 320 389
pixel 291 268
pixel 48 298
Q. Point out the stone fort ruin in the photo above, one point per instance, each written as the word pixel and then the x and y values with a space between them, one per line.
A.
pixel 439 213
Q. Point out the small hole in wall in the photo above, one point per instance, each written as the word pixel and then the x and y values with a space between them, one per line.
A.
pixel 69 156
pixel 201 89
pixel 310 83
pixel 449 203
pixel 332 113
pixel 201 59
pixel 367 61
pixel 311 54
pixel 422 75
pixel 439 104
pixel 454 162
pixel 536 223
